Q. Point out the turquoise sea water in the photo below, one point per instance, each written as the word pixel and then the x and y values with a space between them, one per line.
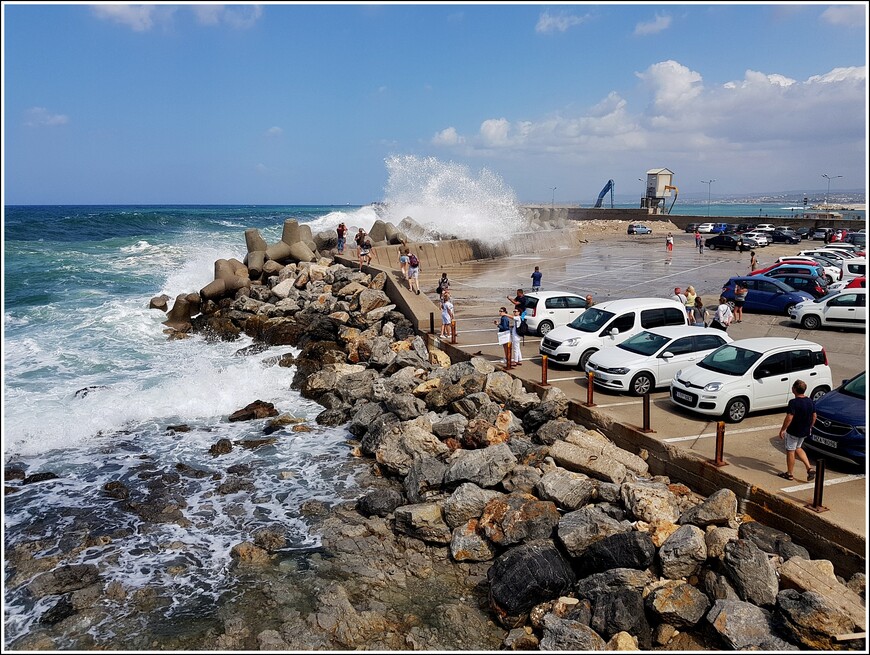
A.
pixel 91 385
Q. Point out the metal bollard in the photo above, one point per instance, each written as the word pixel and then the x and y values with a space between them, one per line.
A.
pixel 720 445
pixel 509 355
pixel 816 505
pixel 544 371
pixel 589 386
pixel 431 323
pixel 452 331
pixel 646 414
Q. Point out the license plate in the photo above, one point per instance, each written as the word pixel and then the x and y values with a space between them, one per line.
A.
pixel 682 396
pixel 830 443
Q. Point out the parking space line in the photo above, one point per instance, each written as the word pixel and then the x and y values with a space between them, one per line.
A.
pixel 627 402
pixel 810 485
pixel 563 379
pixel 727 432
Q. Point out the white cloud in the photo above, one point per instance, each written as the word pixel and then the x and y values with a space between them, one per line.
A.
pixel 274 131
pixel 141 18
pixel 763 122
pixel 846 15
pixel 261 168
pixel 447 137
pixel 558 23
pixel 41 117
pixel 658 24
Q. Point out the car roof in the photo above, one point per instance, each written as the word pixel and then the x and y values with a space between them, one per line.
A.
pixel 765 344
pixel 641 303
pixel 676 331
pixel 543 295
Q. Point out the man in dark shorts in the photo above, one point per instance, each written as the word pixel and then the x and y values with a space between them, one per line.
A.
pixel 797 425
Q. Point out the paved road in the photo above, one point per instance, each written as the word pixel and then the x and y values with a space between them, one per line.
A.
pixel 639 266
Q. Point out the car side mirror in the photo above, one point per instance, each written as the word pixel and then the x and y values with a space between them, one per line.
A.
pixel 614 332
pixel 762 373
pixel 667 354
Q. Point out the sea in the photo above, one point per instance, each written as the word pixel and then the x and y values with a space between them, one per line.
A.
pixel 92 386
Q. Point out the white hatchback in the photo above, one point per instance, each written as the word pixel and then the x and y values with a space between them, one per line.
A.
pixel 650 358
pixel 846 308
pixel 761 238
pixel 546 310
pixel 751 374
pixel 706 228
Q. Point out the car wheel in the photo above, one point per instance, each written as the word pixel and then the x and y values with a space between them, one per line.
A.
pixel 641 384
pixel 829 279
pixel 810 322
pixel 818 392
pixel 736 410
pixel 585 358
pixel 790 307
pixel 711 246
pixel 544 328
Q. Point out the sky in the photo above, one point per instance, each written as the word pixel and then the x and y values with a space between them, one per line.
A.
pixel 305 103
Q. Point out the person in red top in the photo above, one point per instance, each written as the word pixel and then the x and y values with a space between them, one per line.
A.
pixel 341 230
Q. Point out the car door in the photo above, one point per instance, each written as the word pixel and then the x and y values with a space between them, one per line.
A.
pixel 624 323
pixel 574 307
pixel 556 310
pixel 682 352
pixel 845 309
pixel 759 294
pixel 802 366
pixel 771 385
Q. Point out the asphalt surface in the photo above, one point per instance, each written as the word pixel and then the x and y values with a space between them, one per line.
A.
pixel 638 266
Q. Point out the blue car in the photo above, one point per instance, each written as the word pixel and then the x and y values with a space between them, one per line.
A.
pixel 637 228
pixel 840 431
pixel 765 294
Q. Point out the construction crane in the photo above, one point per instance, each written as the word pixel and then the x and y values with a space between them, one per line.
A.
pixel 607 187
pixel 676 193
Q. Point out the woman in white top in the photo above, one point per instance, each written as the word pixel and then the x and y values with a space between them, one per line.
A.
pixel 723 316
pixel 516 353
pixel 447 315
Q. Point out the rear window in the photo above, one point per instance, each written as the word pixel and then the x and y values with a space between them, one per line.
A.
pixel 659 317
pixel 531 302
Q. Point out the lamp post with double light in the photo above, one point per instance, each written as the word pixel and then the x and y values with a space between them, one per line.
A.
pixel 553 202
pixel 709 184
pixel 829 178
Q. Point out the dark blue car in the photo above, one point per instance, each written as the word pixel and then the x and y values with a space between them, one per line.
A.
pixel 765 294
pixel 840 431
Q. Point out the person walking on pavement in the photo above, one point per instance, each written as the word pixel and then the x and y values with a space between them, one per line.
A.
pixel 516 353
pixel 413 273
pixel 797 425
pixel 690 300
pixel 447 315
pixel 753 261
pixel 699 314
pixel 403 265
pixel 504 332
pixel 669 242
pixel 536 279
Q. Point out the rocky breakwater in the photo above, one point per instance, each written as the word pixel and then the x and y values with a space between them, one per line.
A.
pixel 567 539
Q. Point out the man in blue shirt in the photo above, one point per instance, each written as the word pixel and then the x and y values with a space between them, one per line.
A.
pixel 799 419
pixel 536 279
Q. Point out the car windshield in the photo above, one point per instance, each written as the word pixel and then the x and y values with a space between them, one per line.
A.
pixel 730 360
pixel 645 343
pixel 591 320
pixel 828 296
pixel 855 387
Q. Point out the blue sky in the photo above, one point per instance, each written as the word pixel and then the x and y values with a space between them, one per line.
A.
pixel 304 104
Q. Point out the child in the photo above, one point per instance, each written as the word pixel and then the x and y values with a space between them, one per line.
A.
pixel 443 284
pixel 447 316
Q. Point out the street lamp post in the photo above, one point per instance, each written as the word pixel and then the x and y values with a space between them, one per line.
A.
pixel 829 178
pixel 553 205
pixel 709 184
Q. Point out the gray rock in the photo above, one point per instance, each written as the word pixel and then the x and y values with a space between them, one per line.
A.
pixel 406 406
pixel 680 604
pixel 424 479
pixel 469 544
pixel 771 540
pixel 450 427
pixel 553 431
pixel 64 579
pixel 751 572
pixel 564 634
pixel 612 580
pixel 518 517
pixel 621 611
pixel 466 503
pixel 569 490
pixel 811 621
pixel 718 586
pixel 630 550
pixel 741 625
pixel 650 501
pixel 720 508
pixel 485 467
pixel 683 553
pixel 580 529
pixel 380 502
pixel 423 521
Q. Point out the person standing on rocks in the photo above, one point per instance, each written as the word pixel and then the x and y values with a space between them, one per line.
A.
pixel 341 231
pixel 797 425
pixel 413 273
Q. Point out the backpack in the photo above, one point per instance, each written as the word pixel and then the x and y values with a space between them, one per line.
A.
pixel 413 261
pixel 523 329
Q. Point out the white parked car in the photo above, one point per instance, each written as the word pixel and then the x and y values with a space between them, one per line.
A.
pixel 546 310
pixel 853 268
pixel 834 254
pixel 844 308
pixel 751 374
pixel 765 227
pixel 608 324
pixel 650 358
pixel 706 228
pixel 760 237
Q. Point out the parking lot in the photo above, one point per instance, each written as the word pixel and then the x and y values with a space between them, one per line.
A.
pixel 639 266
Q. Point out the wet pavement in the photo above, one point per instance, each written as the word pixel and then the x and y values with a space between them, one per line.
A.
pixel 638 266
